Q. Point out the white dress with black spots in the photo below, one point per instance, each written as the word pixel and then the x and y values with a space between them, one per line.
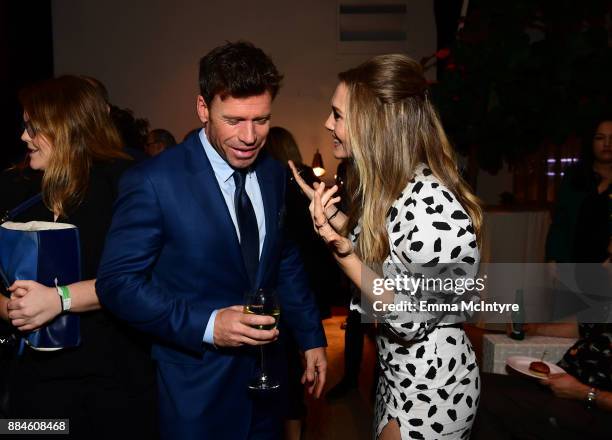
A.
pixel 429 380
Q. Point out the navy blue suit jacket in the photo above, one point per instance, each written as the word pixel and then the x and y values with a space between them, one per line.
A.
pixel 172 256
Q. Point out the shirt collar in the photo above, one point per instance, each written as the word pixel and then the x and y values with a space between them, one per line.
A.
pixel 221 168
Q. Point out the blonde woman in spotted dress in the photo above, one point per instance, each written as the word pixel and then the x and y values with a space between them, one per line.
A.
pixel 412 215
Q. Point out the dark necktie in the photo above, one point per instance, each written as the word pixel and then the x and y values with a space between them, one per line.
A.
pixel 247 224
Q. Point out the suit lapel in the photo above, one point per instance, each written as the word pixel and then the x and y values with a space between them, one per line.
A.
pixel 267 181
pixel 206 191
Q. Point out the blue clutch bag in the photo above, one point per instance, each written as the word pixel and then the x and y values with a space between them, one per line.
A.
pixel 48 253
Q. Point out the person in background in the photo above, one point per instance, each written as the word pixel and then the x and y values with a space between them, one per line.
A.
pixel 158 140
pixel 575 404
pixel 572 405
pixel 191 133
pixel 132 131
pixel 592 245
pixel 588 180
pixel 593 237
pixel 108 381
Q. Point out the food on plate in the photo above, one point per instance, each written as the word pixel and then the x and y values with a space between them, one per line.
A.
pixel 539 369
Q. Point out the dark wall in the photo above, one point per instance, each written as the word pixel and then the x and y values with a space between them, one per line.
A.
pixel 26 56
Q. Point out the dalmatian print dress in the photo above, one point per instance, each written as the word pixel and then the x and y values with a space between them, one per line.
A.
pixel 429 379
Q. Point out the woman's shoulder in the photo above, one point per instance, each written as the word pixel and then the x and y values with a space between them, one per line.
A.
pixel 428 223
pixel 427 206
pixel 425 189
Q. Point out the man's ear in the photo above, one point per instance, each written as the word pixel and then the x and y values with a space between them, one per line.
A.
pixel 202 109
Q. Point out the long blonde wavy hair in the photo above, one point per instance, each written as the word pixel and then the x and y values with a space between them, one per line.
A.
pixel 73 116
pixel 391 127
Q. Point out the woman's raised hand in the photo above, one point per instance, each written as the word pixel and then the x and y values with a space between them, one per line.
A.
pixel 306 188
pixel 323 199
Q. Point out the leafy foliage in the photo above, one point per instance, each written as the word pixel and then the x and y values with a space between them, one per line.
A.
pixel 522 74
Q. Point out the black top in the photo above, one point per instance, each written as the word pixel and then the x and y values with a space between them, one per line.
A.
pixel 579 183
pixel 593 228
pixel 590 358
pixel 109 347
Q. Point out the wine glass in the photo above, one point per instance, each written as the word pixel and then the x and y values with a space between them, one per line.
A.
pixel 263 302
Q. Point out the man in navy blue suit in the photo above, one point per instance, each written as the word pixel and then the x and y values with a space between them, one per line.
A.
pixel 194 229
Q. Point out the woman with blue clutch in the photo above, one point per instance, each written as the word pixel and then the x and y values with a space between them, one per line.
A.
pixel 108 379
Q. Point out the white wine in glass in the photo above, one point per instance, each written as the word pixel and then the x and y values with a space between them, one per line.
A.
pixel 263 302
pixel 261 310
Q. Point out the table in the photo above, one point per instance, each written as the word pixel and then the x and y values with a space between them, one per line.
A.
pixel 496 348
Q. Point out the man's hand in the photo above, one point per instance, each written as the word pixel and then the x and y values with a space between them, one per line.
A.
pixel 32 305
pixel 316 370
pixel 233 328
pixel 566 386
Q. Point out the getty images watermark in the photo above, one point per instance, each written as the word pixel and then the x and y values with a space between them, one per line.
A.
pixel 488 293
pixel 410 285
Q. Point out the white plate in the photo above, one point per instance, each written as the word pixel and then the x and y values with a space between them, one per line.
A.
pixel 521 364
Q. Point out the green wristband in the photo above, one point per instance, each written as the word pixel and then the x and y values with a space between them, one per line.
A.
pixel 64 293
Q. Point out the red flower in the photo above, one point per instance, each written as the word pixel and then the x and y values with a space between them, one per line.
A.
pixel 443 53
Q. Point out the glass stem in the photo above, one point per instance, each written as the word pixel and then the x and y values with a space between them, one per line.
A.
pixel 263 371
